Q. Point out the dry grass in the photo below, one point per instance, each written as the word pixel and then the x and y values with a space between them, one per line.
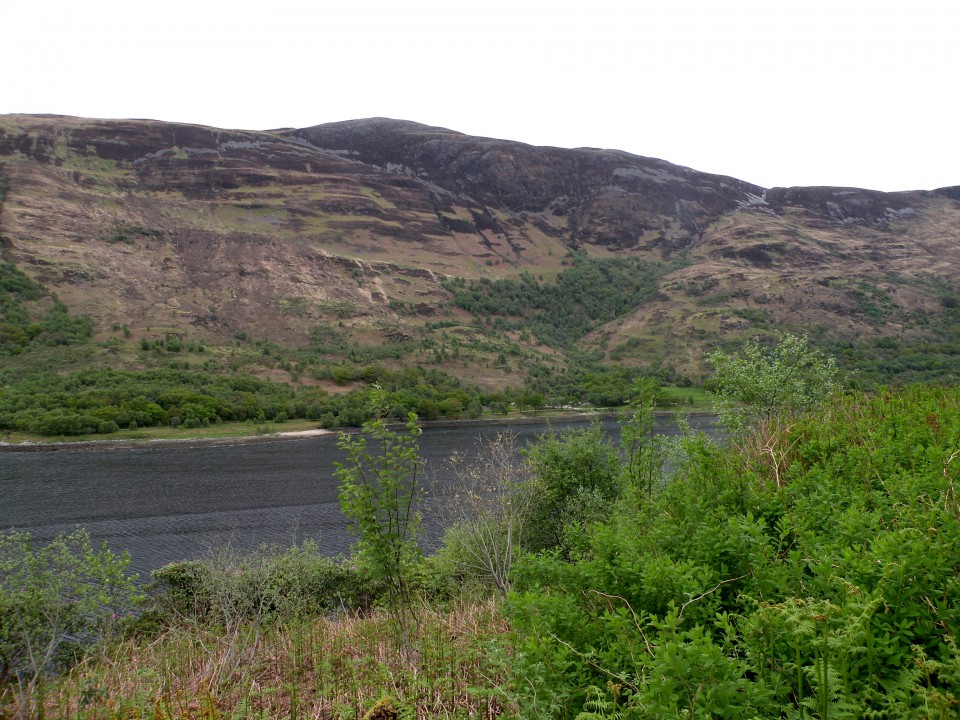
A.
pixel 313 669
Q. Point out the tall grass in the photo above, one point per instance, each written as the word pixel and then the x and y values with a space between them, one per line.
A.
pixel 319 668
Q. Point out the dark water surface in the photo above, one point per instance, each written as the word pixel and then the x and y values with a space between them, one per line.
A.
pixel 173 502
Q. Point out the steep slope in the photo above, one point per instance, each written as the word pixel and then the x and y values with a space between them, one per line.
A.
pixel 349 231
pixel 602 197
pixel 180 226
pixel 848 266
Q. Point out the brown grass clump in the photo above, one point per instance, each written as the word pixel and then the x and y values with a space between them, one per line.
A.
pixel 353 667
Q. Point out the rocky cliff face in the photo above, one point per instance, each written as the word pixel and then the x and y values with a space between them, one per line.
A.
pixel 217 232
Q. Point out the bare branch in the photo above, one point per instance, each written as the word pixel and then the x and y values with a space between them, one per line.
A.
pixel 708 592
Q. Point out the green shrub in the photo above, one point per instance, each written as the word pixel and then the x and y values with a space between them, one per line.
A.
pixel 577 478
pixel 56 601
pixel 760 383
pixel 379 483
pixel 267 586
pixel 105 427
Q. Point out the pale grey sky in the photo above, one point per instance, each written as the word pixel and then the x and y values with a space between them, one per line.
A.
pixel 845 92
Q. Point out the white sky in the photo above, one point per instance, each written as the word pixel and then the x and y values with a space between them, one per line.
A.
pixel 846 92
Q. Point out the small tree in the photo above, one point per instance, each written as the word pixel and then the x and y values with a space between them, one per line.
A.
pixel 378 489
pixel 759 390
pixel 642 450
pixel 576 480
pixel 759 383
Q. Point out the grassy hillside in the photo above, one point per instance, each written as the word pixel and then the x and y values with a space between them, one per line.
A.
pixel 370 242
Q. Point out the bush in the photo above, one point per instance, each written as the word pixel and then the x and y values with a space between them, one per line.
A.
pixel 577 479
pixel 379 486
pixel 486 517
pixel 270 586
pixel 105 427
pixel 760 383
pixel 56 601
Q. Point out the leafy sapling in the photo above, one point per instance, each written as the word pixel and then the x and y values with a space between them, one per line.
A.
pixel 378 492
pixel 760 383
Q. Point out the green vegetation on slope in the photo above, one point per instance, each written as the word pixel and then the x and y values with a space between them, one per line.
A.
pixel 23 326
pixel 917 346
pixel 560 313
pixel 39 398
pixel 603 385
pixel 584 296
pixel 931 353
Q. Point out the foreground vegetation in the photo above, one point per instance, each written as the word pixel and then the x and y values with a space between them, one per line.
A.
pixel 807 568
pixel 810 572
pixel 308 668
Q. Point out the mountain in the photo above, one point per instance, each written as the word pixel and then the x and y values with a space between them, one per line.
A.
pixel 390 241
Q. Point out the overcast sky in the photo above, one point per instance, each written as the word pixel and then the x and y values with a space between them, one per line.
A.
pixel 776 92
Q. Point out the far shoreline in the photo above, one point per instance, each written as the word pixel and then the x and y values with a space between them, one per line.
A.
pixel 139 443
pixel 304 434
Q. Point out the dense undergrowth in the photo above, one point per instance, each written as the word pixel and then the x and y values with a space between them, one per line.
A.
pixel 812 573
pixel 807 569
pixel 23 327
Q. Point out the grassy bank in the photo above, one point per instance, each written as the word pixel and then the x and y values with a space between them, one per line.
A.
pixel 673 399
pixel 689 398
pixel 316 668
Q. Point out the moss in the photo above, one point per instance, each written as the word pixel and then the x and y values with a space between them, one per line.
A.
pixel 384 709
